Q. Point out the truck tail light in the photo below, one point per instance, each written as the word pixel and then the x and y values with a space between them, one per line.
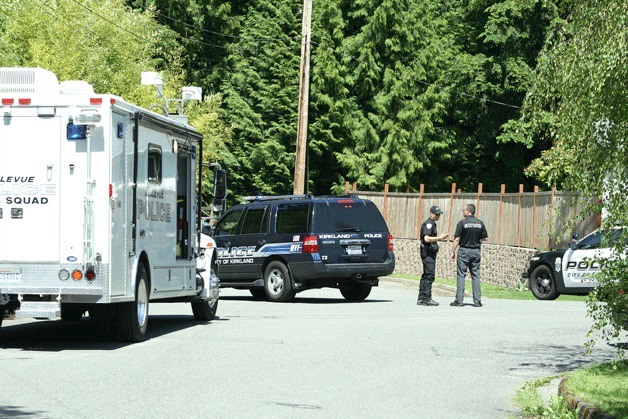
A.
pixel 390 243
pixel 310 244
pixel 90 274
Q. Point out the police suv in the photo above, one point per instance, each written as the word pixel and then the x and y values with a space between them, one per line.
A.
pixel 278 246
pixel 570 271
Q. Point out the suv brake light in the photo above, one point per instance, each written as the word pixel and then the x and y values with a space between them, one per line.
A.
pixel 310 244
pixel 390 243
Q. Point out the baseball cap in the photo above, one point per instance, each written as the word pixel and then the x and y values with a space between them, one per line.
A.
pixel 436 210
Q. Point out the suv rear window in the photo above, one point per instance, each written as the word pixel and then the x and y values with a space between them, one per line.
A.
pixel 292 218
pixel 348 216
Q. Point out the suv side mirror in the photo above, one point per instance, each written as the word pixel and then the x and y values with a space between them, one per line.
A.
pixel 573 245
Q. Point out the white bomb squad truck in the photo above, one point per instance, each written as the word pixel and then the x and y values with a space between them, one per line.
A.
pixel 98 207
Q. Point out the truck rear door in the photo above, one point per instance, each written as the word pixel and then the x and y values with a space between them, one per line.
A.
pixel 29 188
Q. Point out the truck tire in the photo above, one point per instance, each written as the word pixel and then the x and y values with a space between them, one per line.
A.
pixel 204 310
pixel 277 283
pixel 133 316
pixel 354 291
pixel 72 312
pixel 103 318
pixel 542 283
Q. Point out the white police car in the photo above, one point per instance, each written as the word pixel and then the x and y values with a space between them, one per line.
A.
pixel 570 271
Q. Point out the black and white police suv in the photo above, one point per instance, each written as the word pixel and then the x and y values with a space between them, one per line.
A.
pixel 570 271
pixel 278 246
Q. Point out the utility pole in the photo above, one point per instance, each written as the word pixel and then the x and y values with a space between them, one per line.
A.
pixel 304 98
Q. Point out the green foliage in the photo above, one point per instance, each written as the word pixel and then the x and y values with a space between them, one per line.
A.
pixel 104 43
pixel 217 137
pixel 532 405
pixel 578 102
pixel 604 385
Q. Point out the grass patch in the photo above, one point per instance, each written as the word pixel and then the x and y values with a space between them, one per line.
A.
pixel 603 385
pixel 532 405
pixel 495 291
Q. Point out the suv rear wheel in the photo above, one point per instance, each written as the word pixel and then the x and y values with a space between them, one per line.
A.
pixel 355 291
pixel 277 282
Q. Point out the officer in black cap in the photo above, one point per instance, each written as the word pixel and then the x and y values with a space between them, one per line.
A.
pixel 429 249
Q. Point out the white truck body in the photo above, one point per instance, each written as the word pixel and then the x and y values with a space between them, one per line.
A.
pixel 92 187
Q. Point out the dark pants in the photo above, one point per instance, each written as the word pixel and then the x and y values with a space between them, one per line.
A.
pixel 427 279
pixel 469 259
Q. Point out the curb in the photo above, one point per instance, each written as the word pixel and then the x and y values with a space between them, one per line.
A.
pixel 441 290
pixel 584 409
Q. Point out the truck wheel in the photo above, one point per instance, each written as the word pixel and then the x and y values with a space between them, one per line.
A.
pixel 277 283
pixel 133 317
pixel 71 312
pixel 204 310
pixel 354 291
pixel 542 283
pixel 103 317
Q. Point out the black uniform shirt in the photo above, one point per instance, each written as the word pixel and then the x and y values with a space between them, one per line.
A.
pixel 428 228
pixel 471 231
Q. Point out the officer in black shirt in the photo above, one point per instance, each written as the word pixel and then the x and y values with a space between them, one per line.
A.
pixel 429 249
pixel 469 235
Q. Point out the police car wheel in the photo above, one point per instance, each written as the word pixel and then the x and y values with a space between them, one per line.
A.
pixel 354 291
pixel 542 283
pixel 277 283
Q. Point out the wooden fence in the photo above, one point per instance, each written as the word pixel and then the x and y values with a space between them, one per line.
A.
pixel 524 219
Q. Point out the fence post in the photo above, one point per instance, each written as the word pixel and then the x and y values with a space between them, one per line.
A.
pixel 502 191
pixel 551 221
pixel 386 202
pixel 536 191
pixel 419 211
pixel 451 205
pixel 355 186
pixel 519 215
pixel 347 187
pixel 478 201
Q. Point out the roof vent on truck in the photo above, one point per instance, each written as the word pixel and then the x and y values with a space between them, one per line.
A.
pixel 28 80
pixel 76 87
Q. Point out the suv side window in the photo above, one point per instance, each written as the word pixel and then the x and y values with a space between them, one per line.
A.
pixel 255 221
pixel 228 225
pixel 292 218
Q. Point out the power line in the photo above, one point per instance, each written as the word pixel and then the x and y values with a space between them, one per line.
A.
pixel 226 35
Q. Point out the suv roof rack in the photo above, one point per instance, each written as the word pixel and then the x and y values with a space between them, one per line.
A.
pixel 275 197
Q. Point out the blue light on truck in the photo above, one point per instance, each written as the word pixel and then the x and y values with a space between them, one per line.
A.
pixel 76 132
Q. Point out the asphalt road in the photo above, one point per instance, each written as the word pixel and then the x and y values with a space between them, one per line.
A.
pixel 317 357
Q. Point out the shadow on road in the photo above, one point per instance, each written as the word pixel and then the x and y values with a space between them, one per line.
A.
pixel 558 358
pixel 57 335
pixel 19 412
pixel 305 300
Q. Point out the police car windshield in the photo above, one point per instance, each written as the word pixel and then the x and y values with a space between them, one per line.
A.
pixel 353 217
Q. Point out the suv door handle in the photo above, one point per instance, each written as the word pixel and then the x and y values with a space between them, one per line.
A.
pixel 227 244
pixel 261 242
